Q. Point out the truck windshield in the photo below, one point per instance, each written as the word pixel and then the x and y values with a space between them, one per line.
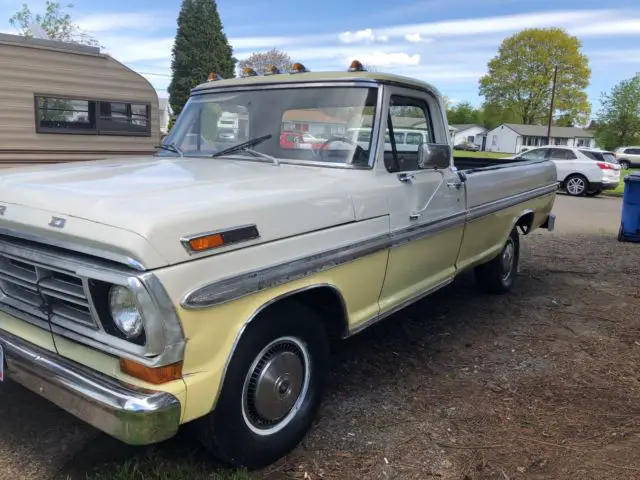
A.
pixel 315 124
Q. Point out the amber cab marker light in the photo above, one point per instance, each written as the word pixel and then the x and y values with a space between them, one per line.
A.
pixel 271 70
pixel 298 68
pixel 155 376
pixel 356 66
pixel 213 77
pixel 200 244
pixel 248 72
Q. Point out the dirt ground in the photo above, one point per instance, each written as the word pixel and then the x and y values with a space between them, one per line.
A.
pixel 541 383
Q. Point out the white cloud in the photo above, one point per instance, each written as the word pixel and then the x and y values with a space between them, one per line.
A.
pixel 361 36
pixel 414 38
pixel 329 52
pixel 242 43
pixel 137 49
pixel 608 28
pixel 505 23
pixel 110 22
pixel 383 59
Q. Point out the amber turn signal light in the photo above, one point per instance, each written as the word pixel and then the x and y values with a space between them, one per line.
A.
pixel 206 242
pixel 152 375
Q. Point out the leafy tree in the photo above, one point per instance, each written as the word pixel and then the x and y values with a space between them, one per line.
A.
pixel 56 23
pixel 463 113
pixel 618 120
pixel 259 61
pixel 201 47
pixel 520 76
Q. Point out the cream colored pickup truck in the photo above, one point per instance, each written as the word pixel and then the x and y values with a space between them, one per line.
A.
pixel 206 284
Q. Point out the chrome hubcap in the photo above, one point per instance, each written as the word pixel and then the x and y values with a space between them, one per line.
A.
pixel 508 258
pixel 276 385
pixel 575 186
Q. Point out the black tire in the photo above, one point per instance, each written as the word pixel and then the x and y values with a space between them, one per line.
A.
pixel 576 185
pixel 495 276
pixel 236 432
pixel 625 164
pixel 594 193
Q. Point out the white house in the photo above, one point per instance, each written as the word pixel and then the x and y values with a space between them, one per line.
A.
pixel 512 137
pixel 165 112
pixel 469 133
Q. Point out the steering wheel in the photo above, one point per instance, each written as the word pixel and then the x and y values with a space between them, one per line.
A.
pixel 337 138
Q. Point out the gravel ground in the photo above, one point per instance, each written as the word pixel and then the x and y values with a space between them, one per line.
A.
pixel 539 383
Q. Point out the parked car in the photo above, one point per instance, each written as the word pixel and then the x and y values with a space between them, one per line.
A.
pixel 628 157
pixel 208 288
pixel 581 171
pixel 471 147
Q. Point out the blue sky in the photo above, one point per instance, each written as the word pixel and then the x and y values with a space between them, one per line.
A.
pixel 445 42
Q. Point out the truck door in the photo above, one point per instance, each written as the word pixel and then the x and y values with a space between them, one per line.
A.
pixel 427 207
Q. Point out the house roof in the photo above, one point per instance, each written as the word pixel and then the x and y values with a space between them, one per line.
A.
pixel 466 126
pixel 541 131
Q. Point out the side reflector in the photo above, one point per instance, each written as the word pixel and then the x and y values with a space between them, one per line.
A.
pixel 209 240
pixel 152 375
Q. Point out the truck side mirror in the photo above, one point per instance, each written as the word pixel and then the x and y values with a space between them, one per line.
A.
pixel 434 155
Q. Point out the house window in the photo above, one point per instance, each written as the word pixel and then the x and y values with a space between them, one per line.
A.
pixel 471 138
pixel 583 142
pixel 68 115
pixel 560 141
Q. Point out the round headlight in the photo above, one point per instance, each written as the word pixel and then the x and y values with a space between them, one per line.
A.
pixel 125 312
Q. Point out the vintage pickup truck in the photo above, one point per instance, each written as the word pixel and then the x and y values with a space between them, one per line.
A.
pixel 205 285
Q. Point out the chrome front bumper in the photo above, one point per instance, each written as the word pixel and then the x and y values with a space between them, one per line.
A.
pixel 133 415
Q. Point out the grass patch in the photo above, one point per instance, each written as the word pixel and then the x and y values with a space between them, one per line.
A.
pixel 155 465
pixel 465 153
pixel 619 191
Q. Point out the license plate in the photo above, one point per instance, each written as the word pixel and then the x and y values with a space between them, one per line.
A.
pixel 1 363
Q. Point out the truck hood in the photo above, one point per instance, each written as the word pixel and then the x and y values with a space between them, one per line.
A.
pixel 165 199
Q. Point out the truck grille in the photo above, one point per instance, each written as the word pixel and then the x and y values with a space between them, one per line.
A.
pixel 44 292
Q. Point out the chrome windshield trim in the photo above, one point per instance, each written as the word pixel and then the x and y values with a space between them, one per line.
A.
pixel 122 259
pixel 131 414
pixel 238 286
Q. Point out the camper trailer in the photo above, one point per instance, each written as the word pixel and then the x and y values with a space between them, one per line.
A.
pixel 62 102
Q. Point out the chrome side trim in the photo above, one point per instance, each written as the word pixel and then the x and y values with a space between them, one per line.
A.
pixel 249 232
pixel 165 338
pixel 244 284
pixel 259 311
pixel 492 207
pixel 395 309
pixel 133 415
pixel 76 247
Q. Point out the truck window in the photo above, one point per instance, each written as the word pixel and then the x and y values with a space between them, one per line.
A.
pixel 407 114
pixel 535 154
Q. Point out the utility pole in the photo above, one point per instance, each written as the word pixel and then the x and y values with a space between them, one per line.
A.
pixel 553 96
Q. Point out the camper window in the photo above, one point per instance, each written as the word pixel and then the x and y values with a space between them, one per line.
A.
pixel 68 115
pixel 65 115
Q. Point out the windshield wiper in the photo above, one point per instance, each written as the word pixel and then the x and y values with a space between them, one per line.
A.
pixel 246 146
pixel 171 147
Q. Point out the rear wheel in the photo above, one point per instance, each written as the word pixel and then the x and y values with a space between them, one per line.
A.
pixel 272 389
pixel 576 185
pixel 625 164
pixel 499 274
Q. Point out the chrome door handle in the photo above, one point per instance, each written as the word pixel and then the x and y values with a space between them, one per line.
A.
pixel 454 184
pixel 406 177
pixel 415 216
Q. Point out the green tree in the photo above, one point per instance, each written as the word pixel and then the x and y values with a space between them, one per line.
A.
pixel 520 76
pixel 259 61
pixel 55 22
pixel 201 47
pixel 463 113
pixel 618 120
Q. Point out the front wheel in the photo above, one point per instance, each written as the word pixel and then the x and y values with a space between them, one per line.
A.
pixel 272 389
pixel 576 185
pixel 499 274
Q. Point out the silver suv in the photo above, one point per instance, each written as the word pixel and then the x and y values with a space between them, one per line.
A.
pixel 628 156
